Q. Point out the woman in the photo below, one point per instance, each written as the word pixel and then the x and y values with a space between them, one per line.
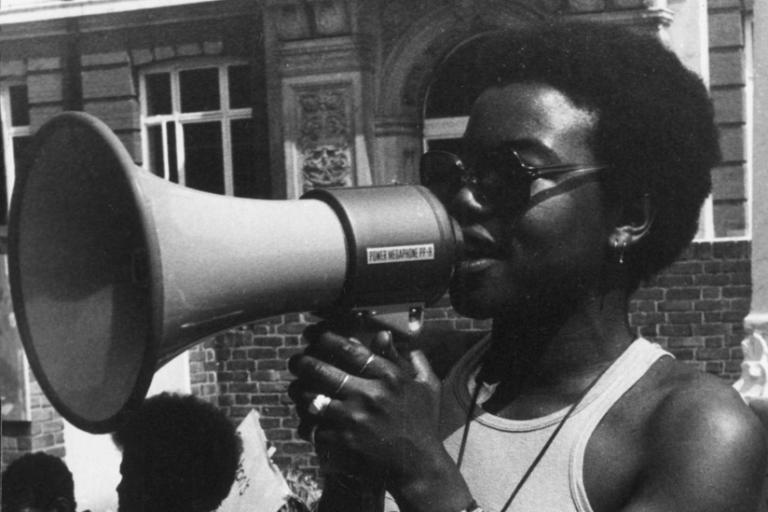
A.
pixel 584 165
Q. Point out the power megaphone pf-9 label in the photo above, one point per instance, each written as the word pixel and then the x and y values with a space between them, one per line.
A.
pixel 401 253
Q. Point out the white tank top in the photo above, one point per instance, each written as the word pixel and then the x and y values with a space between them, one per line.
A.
pixel 499 451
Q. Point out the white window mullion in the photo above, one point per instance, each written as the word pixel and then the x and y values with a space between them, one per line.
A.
pixel 226 132
pixel 143 117
pixel 226 141
pixel 749 123
pixel 180 155
pixel 166 157
pixel 176 108
pixel 10 175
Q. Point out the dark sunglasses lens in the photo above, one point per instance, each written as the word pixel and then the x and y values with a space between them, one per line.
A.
pixel 503 180
pixel 441 173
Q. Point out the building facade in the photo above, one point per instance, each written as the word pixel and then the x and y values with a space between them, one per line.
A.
pixel 270 99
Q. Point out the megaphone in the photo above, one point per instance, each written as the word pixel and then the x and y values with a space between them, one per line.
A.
pixel 114 271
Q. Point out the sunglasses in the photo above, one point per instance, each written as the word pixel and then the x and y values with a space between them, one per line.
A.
pixel 498 178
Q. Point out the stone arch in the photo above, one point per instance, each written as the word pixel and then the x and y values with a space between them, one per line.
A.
pixel 408 67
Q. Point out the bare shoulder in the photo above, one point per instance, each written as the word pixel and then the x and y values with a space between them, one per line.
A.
pixel 669 441
pixel 688 400
pixel 699 430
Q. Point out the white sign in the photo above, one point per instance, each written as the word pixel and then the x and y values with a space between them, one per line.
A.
pixel 400 253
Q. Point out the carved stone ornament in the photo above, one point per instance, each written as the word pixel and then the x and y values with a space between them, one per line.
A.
pixel 324 141
pixel 754 368
pixel 302 19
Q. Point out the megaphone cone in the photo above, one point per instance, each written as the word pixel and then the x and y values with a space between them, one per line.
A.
pixel 114 271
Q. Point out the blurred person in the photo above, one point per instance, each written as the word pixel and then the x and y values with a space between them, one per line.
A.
pixel 38 482
pixel 180 454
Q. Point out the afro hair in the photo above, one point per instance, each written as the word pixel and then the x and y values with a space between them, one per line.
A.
pixel 655 125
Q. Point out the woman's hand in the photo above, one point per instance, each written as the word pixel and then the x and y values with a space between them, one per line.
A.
pixel 382 418
pixel 383 406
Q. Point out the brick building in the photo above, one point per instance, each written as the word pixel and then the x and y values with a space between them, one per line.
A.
pixel 249 98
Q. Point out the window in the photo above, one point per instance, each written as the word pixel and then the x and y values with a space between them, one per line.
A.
pixel 727 213
pixel 444 133
pixel 198 129
pixel 14 110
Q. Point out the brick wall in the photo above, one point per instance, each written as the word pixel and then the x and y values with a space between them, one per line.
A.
pixel 203 373
pixel 695 309
pixel 44 433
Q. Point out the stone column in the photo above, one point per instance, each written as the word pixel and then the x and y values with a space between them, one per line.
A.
pixel 755 366
pixel 398 150
pixel 325 67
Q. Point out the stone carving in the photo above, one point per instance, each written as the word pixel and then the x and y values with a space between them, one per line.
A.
pixel 324 140
pixel 754 368
pixel 296 19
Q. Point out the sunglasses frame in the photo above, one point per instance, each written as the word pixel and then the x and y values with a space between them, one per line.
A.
pixel 468 177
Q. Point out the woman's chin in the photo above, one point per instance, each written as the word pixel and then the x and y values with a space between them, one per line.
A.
pixel 469 301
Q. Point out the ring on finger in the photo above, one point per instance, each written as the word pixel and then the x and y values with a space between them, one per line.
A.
pixel 366 364
pixel 341 384
pixel 319 404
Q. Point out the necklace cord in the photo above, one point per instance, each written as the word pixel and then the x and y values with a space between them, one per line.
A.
pixel 544 448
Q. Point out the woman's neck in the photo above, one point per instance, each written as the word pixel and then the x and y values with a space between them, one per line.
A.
pixel 559 352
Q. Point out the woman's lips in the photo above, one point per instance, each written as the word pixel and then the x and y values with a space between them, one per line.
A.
pixel 476 265
pixel 480 249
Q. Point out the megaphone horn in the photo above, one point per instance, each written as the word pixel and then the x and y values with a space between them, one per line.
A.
pixel 114 271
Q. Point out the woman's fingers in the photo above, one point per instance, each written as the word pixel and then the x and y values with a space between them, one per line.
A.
pixel 347 354
pixel 321 377
pixel 423 370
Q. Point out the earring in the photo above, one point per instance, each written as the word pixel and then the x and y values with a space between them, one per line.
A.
pixel 620 248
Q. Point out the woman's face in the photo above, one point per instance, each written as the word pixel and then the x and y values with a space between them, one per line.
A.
pixel 546 252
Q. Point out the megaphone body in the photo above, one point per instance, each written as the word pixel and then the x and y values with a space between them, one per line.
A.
pixel 114 271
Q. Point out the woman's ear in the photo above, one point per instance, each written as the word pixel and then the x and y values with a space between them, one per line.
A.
pixel 634 222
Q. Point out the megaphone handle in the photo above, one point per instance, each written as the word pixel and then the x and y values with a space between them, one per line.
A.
pixel 343 492
pixel 362 323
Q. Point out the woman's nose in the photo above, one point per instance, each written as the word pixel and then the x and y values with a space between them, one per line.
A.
pixel 467 205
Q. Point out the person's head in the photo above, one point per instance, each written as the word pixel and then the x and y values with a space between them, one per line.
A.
pixel 38 482
pixel 596 95
pixel 180 453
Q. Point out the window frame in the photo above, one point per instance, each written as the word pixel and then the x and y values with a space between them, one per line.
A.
pixel 224 115
pixel 706 231
pixel 10 132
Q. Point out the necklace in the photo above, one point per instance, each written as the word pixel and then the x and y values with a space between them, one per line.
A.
pixel 544 448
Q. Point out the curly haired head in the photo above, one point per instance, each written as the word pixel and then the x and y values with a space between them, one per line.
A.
pixel 180 453
pixel 39 481
pixel 655 119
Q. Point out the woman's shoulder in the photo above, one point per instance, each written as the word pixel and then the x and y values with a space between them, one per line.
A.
pixel 704 406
